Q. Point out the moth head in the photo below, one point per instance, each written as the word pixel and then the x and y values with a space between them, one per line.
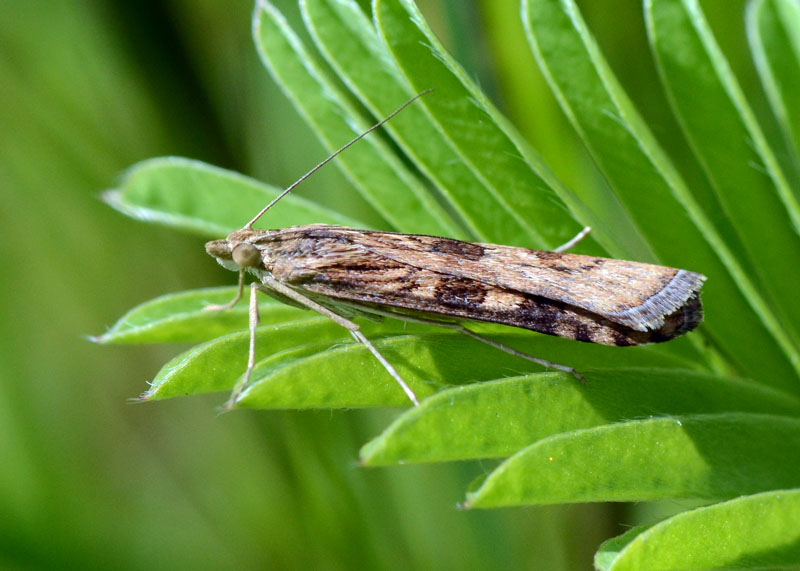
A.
pixel 234 255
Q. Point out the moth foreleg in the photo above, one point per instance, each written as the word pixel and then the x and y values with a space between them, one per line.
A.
pixel 578 237
pixel 242 383
pixel 232 302
pixel 510 351
pixel 354 329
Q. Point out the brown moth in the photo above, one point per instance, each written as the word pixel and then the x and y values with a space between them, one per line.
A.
pixel 341 272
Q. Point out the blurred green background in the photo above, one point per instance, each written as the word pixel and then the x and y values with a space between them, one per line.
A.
pixel 87 88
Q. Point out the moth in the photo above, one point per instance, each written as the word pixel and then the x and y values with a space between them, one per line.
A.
pixel 344 272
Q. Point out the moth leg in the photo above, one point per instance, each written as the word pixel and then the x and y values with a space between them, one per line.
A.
pixel 386 365
pixel 232 302
pixel 242 383
pixel 510 351
pixel 353 328
pixel 495 344
pixel 578 237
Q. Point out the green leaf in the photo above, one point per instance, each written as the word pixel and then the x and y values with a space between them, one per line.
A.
pixel 611 128
pixel 667 214
pixel 608 552
pixel 206 200
pixel 752 532
pixel 498 418
pixel 773 30
pixel 216 365
pixel 344 376
pixel 733 150
pixel 352 46
pixel 372 166
pixel 180 317
pixel 428 362
pixel 531 209
pixel 703 456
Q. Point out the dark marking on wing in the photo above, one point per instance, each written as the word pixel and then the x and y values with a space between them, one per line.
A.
pixel 448 298
pixel 457 292
pixel 466 250
pixel 582 333
pixel 634 294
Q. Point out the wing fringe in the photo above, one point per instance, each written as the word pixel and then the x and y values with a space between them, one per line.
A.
pixel 649 316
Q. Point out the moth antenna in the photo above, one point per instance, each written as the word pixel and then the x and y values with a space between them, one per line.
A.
pixel 291 187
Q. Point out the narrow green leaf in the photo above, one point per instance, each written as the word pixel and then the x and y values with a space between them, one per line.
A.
pixel 761 531
pixel 352 46
pixel 469 122
pixel 206 200
pixel 216 365
pixel 773 29
pixel 724 134
pixel 710 456
pixel 653 191
pixel 345 376
pixel 498 418
pixel 180 317
pixel 371 165
pixel 610 126
pixel 427 362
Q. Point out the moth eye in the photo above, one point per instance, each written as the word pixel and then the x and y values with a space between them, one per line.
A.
pixel 245 255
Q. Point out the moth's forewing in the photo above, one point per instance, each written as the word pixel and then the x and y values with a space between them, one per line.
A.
pixel 634 294
pixel 440 278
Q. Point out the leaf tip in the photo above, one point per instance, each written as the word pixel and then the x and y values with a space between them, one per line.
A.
pixel 465 505
pixel 367 453
pixel 227 407
pixel 99 339
pixel 111 197
pixel 150 394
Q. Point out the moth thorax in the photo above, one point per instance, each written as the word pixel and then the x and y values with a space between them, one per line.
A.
pixel 245 255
